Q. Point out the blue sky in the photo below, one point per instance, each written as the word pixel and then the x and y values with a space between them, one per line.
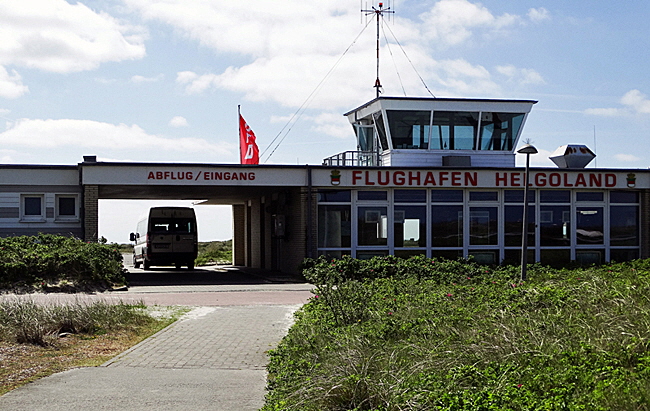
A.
pixel 160 80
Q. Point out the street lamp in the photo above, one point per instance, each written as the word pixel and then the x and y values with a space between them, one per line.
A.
pixel 528 150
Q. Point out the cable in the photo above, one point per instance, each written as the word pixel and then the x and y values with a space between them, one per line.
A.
pixel 390 51
pixel 308 100
pixel 409 60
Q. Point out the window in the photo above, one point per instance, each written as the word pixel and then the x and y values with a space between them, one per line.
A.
pixel 372 225
pixel 32 207
pixel 499 130
pixel 447 226
pixel 66 208
pixel 410 226
pixel 589 225
pixel 555 225
pixel 624 226
pixel 483 226
pixel 334 226
pixel 454 130
pixel 409 129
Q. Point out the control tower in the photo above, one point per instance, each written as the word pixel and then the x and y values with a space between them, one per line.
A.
pixel 435 132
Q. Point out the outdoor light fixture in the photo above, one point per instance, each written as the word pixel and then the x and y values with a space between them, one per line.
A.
pixel 528 150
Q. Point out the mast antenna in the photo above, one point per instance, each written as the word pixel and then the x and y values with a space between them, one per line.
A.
pixel 379 13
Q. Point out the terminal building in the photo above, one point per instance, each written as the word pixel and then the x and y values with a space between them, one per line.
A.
pixel 430 176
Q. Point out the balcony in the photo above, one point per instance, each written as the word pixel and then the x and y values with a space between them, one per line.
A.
pixel 353 158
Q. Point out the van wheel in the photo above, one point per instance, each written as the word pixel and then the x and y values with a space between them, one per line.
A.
pixel 147 264
pixel 190 266
pixel 178 266
pixel 136 263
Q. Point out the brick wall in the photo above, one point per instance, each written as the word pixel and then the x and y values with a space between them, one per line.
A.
pixel 90 213
pixel 239 234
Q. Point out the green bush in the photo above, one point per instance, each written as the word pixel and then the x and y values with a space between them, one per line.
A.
pixel 49 260
pixel 214 252
pixel 422 334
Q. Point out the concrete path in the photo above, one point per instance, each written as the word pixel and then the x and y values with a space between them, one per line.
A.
pixel 212 359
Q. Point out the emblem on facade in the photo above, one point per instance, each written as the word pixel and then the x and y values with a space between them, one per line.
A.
pixel 631 180
pixel 335 177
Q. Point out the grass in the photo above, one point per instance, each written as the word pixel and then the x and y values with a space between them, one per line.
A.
pixel 409 337
pixel 39 340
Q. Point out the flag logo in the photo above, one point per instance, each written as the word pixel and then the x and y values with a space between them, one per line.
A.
pixel 248 150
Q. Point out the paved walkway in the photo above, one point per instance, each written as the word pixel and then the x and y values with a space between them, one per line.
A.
pixel 212 359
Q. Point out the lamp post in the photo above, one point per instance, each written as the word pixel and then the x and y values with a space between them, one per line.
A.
pixel 528 150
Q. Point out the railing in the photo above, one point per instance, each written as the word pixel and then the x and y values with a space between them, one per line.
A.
pixel 353 158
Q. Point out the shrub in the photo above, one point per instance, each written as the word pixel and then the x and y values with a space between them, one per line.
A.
pixel 425 334
pixel 45 260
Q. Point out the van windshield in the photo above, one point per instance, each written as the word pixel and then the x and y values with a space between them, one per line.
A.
pixel 172 225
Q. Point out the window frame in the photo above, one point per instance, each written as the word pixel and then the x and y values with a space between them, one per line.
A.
pixel 32 218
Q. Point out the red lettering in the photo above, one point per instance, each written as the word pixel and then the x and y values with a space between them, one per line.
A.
pixel 580 180
pixel 233 176
pixel 595 180
pixel 540 179
pixel 383 182
pixel 554 179
pixel 356 175
pixel 151 176
pixel 455 178
pixel 251 176
pixel 443 176
pixel 429 179
pixel 159 175
pixel 368 182
pixel 515 180
pixel 226 176
pixel 502 179
pixel 610 180
pixel 471 179
pixel 566 181
pixel 414 178
pixel 399 181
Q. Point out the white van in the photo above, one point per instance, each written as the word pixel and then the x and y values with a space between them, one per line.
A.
pixel 166 236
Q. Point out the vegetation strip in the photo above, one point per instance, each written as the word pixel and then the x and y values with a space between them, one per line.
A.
pixel 37 340
pixel 422 334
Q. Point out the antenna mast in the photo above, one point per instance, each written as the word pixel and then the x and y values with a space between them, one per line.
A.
pixel 379 12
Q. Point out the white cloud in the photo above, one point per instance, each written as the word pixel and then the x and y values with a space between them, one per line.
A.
pixel 333 124
pixel 11 85
pixel 628 158
pixel 636 101
pixel 178 121
pixel 96 135
pixel 604 112
pixel 286 51
pixel 521 76
pixel 538 14
pixel 57 36
pixel 454 21
pixel 142 79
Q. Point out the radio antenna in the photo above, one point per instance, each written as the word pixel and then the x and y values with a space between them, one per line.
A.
pixel 379 13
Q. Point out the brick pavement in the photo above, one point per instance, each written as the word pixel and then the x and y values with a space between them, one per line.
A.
pixel 231 338
pixel 213 359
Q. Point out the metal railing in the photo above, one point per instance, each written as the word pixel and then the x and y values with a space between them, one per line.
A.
pixel 353 158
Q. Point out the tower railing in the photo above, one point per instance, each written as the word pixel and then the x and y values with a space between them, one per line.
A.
pixel 353 158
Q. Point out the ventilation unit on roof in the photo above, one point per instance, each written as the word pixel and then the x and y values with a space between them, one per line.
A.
pixel 572 156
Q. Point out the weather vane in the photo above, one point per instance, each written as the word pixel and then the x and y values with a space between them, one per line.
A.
pixel 379 12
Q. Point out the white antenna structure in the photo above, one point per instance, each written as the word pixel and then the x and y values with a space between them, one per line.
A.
pixel 379 12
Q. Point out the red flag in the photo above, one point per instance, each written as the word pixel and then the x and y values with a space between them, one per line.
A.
pixel 249 153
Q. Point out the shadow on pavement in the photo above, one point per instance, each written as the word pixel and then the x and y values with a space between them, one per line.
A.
pixel 166 276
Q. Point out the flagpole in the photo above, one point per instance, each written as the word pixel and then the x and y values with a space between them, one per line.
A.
pixel 239 126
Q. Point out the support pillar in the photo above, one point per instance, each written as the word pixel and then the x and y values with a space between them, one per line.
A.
pixel 91 213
